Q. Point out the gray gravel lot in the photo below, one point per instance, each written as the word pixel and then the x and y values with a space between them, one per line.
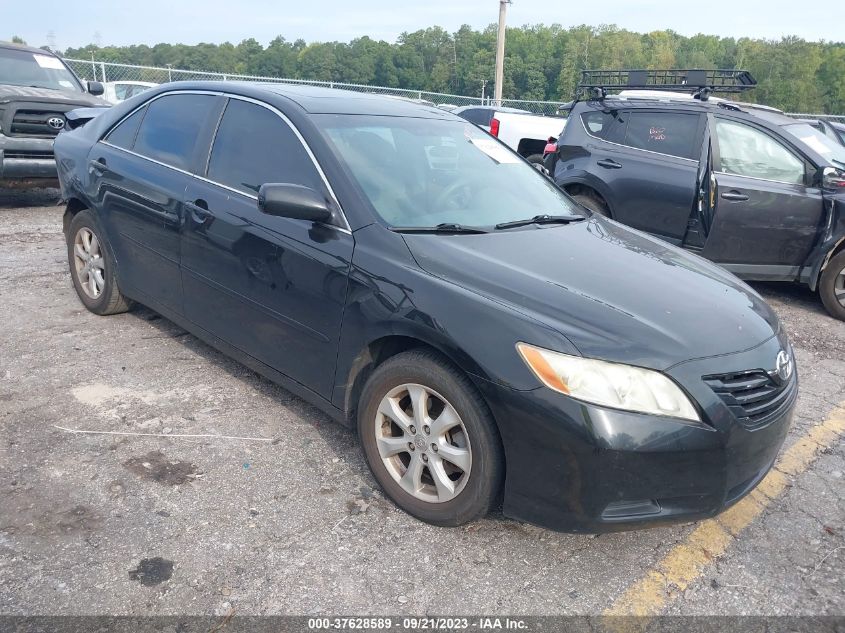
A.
pixel 96 524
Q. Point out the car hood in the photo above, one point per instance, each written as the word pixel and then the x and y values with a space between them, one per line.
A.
pixel 43 95
pixel 615 293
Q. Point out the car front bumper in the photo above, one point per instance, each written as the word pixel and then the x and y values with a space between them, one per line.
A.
pixel 577 467
pixel 26 161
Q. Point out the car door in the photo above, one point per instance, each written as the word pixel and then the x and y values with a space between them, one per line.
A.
pixel 653 170
pixel 767 214
pixel 273 287
pixel 139 173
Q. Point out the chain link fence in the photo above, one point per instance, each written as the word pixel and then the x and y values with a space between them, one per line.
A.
pixel 109 71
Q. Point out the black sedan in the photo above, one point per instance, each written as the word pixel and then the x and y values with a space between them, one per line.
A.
pixel 413 277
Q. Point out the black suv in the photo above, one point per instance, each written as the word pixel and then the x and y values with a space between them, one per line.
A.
pixel 745 186
pixel 37 89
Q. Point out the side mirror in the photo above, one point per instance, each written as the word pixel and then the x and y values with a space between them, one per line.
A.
pixel 832 178
pixel 95 88
pixel 293 201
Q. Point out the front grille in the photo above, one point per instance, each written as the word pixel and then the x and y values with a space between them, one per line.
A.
pixel 28 154
pixel 754 397
pixel 34 123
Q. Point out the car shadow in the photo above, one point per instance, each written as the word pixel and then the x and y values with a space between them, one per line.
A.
pixel 794 294
pixel 26 198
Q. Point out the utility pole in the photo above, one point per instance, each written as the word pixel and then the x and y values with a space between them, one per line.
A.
pixel 500 51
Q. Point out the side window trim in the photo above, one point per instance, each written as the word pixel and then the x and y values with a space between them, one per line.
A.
pixel 346 228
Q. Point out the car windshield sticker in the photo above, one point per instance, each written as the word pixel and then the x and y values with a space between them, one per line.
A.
pixel 494 150
pixel 65 83
pixel 657 134
pixel 45 61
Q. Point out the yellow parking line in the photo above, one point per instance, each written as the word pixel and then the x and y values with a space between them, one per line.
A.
pixel 711 538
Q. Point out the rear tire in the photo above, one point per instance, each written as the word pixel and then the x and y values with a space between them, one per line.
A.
pixel 441 462
pixel 832 286
pixel 92 266
pixel 592 204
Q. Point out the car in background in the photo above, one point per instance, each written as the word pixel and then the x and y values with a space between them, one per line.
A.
pixel 525 133
pixel 415 278
pixel 37 90
pixel 758 192
pixel 117 91
pixel 832 129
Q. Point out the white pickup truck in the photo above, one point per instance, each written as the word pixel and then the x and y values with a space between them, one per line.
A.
pixel 521 130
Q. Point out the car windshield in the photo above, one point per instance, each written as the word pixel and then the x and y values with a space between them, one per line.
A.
pixel 819 142
pixel 25 68
pixel 425 172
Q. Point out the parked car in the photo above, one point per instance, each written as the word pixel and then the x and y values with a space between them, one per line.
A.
pixel 36 90
pixel 384 260
pixel 117 91
pixel 759 193
pixel 832 129
pixel 522 131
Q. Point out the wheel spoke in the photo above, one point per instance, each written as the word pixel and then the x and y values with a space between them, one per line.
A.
pixel 95 245
pixel 92 283
pixel 85 235
pixel 390 408
pixel 80 252
pixel 390 446
pixel 419 404
pixel 448 419
pixel 455 455
pixel 445 486
pixel 411 481
pixel 97 263
pixel 99 280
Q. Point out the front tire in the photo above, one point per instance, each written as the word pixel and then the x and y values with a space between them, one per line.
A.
pixel 592 204
pixel 92 266
pixel 430 440
pixel 832 286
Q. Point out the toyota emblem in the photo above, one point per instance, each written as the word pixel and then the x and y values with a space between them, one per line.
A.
pixel 56 122
pixel 783 365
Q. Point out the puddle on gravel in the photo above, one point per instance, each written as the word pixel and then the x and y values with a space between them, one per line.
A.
pixel 152 571
pixel 156 467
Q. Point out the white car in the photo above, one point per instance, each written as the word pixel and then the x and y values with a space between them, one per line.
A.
pixel 117 91
pixel 522 131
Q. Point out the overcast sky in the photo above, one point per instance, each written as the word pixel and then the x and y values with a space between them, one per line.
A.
pixel 191 21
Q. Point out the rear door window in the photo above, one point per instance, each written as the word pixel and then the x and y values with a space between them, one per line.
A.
pixel 479 116
pixel 171 128
pixel 672 133
pixel 124 134
pixel 254 146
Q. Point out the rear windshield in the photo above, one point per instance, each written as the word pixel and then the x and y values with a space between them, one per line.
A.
pixel 423 172
pixel 819 142
pixel 23 68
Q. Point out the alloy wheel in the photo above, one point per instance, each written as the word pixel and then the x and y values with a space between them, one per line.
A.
pixel 839 287
pixel 423 443
pixel 89 262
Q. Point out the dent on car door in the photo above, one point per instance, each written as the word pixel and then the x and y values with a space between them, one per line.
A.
pixel 654 170
pixel 274 287
pixel 767 211
pixel 139 171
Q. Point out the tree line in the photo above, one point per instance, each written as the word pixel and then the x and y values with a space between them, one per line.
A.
pixel 541 63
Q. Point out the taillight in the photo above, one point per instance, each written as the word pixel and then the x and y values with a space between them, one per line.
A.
pixel 494 127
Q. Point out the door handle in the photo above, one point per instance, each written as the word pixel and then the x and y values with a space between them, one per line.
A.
pixel 98 165
pixel 199 210
pixel 608 163
pixel 735 196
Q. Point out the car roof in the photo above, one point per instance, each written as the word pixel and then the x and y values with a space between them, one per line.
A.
pixel 315 99
pixel 837 125
pixel 28 49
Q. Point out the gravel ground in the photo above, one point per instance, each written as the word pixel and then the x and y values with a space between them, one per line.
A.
pixel 110 524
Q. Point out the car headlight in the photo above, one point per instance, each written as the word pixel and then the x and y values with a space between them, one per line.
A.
pixel 609 384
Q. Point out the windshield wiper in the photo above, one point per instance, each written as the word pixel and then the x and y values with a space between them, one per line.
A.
pixel 541 219
pixel 445 227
